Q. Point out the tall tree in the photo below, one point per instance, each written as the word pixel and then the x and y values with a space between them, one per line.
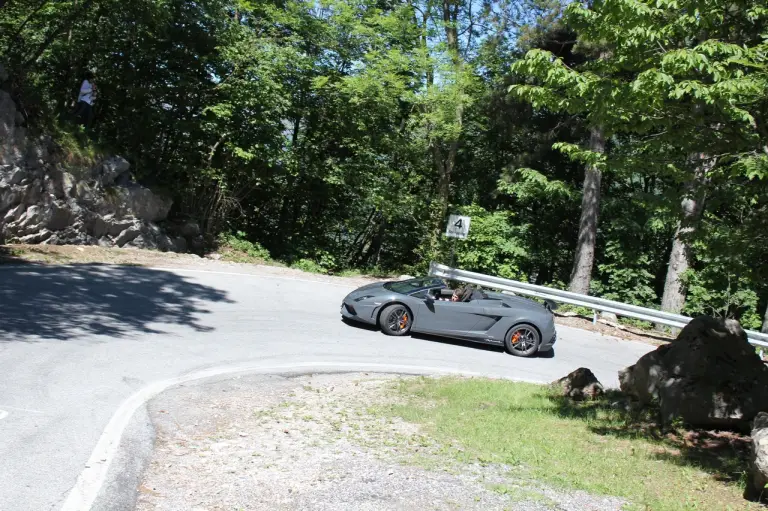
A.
pixel 685 84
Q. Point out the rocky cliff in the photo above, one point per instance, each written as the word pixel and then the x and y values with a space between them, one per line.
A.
pixel 42 200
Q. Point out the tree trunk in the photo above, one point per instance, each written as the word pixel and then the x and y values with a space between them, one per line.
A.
pixel 692 205
pixel 764 329
pixel 445 161
pixel 581 275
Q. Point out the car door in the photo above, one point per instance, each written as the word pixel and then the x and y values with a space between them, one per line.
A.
pixel 448 318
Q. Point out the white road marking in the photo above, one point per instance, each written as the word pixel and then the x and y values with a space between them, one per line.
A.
pixel 90 480
pixel 21 409
pixel 3 414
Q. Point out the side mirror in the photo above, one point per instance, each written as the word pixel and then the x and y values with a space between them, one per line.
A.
pixel 429 298
pixel 550 305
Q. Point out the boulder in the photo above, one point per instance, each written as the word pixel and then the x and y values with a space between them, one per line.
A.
pixel 110 169
pixel 180 244
pixel 758 466
pixel 37 237
pixel 127 235
pixel 190 229
pixel 14 214
pixel 9 197
pixel 12 177
pixel 152 237
pixel 580 384
pixel 709 376
pixel 139 202
pixel 60 216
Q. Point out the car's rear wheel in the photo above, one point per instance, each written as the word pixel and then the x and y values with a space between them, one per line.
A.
pixel 395 320
pixel 523 340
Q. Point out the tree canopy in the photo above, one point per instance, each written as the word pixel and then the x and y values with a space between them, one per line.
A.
pixel 616 146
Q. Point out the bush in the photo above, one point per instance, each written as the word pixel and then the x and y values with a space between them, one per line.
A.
pixel 242 248
pixel 309 266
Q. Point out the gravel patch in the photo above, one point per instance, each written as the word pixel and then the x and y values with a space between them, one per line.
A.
pixel 311 442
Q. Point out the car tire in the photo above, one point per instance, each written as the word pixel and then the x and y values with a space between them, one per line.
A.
pixel 522 340
pixel 395 320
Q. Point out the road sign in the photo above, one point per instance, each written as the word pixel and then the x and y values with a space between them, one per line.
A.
pixel 458 227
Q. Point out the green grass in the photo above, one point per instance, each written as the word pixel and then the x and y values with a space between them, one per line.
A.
pixel 589 446
pixel 235 248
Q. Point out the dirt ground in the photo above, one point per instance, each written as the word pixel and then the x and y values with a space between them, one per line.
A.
pixel 53 254
pixel 316 442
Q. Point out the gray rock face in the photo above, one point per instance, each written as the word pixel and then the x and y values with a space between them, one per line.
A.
pixel 140 202
pixel 110 169
pixel 11 148
pixel 40 202
pixel 758 467
pixel 710 376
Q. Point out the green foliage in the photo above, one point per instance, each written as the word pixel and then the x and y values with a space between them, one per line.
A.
pixel 493 246
pixel 236 246
pixel 309 266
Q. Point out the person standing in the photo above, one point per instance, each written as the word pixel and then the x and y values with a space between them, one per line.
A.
pixel 85 99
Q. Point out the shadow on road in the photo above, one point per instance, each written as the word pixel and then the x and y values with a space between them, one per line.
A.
pixel 66 302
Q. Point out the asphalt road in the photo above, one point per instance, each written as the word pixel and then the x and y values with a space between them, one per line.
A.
pixel 76 342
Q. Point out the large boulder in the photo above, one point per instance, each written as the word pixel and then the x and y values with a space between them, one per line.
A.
pixel 580 384
pixel 111 169
pixel 135 200
pixel 710 376
pixel 757 484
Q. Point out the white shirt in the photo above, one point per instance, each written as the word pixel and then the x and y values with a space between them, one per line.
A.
pixel 86 92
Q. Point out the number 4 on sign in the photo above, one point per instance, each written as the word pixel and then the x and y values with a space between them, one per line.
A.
pixel 458 227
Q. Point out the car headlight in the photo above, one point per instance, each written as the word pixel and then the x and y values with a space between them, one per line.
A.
pixel 363 298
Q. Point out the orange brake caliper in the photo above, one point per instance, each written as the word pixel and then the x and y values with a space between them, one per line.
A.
pixel 404 321
pixel 515 337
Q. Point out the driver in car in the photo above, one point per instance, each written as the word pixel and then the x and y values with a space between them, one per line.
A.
pixel 466 294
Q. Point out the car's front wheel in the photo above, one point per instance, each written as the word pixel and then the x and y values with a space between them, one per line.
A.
pixel 395 320
pixel 523 340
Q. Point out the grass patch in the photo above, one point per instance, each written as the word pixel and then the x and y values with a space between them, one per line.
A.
pixel 79 152
pixel 16 255
pixel 589 446
pixel 237 249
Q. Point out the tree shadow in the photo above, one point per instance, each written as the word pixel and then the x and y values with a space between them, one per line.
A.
pixel 723 454
pixel 67 302
pixel 9 256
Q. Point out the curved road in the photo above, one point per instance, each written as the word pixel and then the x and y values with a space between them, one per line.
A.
pixel 76 342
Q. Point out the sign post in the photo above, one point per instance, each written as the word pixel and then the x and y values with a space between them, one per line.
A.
pixel 458 227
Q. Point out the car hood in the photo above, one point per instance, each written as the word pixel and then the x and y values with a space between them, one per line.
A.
pixel 369 289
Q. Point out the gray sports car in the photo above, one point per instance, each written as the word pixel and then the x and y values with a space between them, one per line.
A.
pixel 523 326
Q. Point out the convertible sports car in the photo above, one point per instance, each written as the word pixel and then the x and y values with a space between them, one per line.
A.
pixel 523 326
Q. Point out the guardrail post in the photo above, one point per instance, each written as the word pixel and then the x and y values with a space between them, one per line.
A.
pixel 594 316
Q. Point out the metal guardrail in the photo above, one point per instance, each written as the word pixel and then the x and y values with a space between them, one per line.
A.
pixel 590 302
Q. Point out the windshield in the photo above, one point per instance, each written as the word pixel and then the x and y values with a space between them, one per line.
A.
pixel 412 285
